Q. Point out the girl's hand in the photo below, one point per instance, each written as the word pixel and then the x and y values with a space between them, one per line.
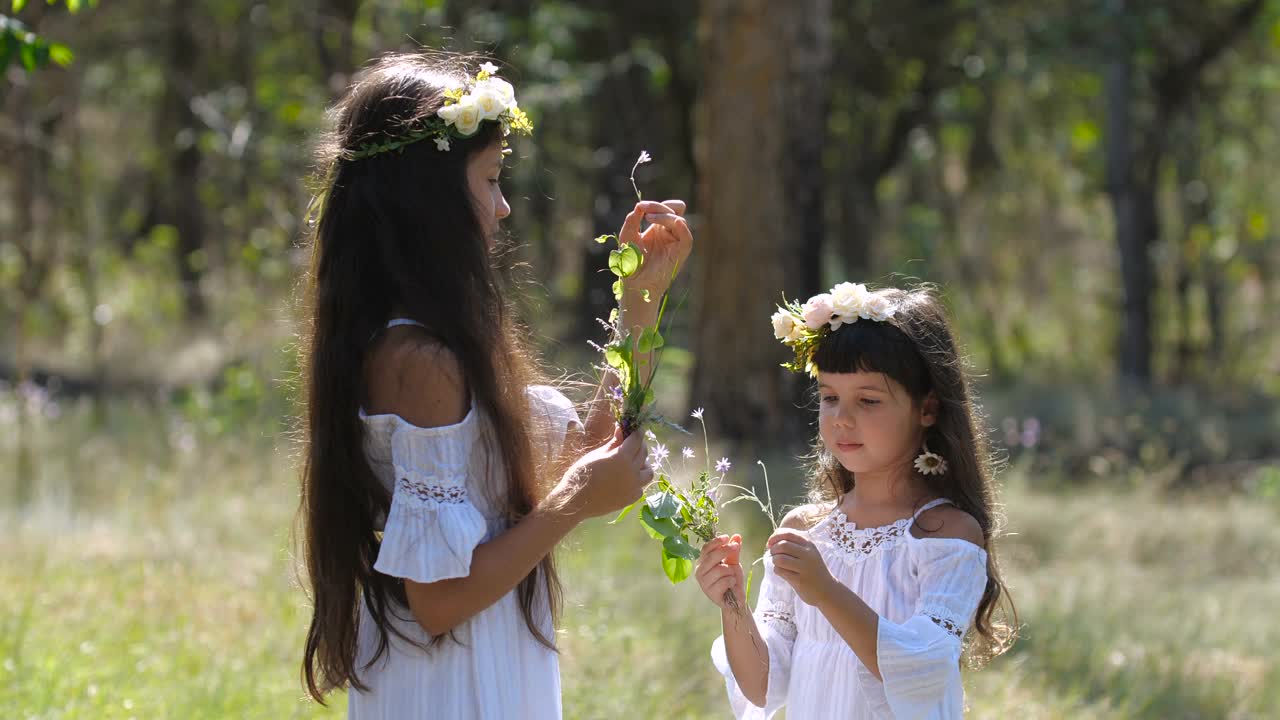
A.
pixel 797 560
pixel 719 569
pixel 605 479
pixel 665 246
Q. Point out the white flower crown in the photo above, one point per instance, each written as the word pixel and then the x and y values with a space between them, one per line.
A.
pixel 800 327
pixel 490 98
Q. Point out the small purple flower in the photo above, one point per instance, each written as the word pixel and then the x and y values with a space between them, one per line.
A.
pixel 723 465
pixel 688 453
pixel 617 392
pixel 696 414
pixel 659 453
pixel 648 435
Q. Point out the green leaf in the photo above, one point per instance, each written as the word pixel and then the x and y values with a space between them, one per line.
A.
pixel 658 528
pixel 678 546
pixel 624 261
pixel 61 54
pixel 617 356
pixel 677 568
pixel 75 5
pixel 18 5
pixel 27 53
pixel 650 340
pixel 602 239
pixel 649 396
pixel 625 511
pixel 617 290
pixel 663 505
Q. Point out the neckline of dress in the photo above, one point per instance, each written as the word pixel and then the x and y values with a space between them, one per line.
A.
pixel 851 526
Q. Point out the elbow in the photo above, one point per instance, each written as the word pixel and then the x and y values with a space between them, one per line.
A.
pixel 433 624
pixel 432 611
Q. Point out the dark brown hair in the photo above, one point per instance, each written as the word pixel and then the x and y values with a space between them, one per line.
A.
pixel 916 349
pixel 396 232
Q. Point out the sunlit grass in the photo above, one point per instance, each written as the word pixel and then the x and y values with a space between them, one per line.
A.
pixel 152 578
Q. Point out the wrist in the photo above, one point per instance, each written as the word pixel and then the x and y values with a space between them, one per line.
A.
pixel 634 308
pixel 562 506
pixel 828 594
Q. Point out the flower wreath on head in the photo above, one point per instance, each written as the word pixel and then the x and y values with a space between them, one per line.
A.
pixel 489 98
pixel 801 326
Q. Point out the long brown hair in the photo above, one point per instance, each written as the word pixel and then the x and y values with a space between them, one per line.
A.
pixel 396 232
pixel 916 349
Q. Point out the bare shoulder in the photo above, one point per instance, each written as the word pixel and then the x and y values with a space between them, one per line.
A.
pixel 410 374
pixel 949 522
pixel 803 517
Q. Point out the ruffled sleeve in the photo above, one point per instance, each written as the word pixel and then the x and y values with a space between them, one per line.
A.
pixel 775 617
pixel 552 415
pixel 432 527
pixel 920 658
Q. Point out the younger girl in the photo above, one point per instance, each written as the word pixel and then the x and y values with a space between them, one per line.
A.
pixel 434 487
pixel 869 592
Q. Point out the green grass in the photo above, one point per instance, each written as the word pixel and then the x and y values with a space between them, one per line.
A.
pixel 151 582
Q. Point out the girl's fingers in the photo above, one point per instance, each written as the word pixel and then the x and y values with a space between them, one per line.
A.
pixel 722 571
pixel 734 549
pixel 716 557
pixel 720 587
pixel 631 225
pixel 714 543
pixel 677 206
pixel 649 206
pixel 786 535
pixel 676 225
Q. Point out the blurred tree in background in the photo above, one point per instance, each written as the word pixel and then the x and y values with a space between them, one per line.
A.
pixel 1086 181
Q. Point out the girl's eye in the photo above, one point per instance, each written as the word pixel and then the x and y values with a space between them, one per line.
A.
pixel 869 401
pixel 830 399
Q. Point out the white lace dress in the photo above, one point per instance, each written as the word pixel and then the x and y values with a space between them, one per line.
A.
pixel 446 500
pixel 926 592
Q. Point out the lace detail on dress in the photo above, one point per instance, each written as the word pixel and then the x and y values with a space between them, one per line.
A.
pixel 780 618
pixel 427 492
pixel 862 542
pixel 947 624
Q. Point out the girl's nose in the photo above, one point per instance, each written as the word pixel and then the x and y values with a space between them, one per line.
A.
pixel 503 209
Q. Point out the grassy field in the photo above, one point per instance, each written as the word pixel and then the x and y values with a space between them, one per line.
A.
pixel 152 578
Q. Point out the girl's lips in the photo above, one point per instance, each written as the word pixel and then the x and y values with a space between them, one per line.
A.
pixel 848 447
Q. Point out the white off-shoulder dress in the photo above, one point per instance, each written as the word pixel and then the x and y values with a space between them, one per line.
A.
pixel 448 497
pixel 926 592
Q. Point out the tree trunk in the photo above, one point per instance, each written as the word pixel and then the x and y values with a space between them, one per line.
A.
pixel 750 243
pixel 335 45
pixel 1129 204
pixel 180 129
pixel 809 67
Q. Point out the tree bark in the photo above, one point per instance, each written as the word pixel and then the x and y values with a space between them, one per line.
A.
pixel 180 129
pixel 750 245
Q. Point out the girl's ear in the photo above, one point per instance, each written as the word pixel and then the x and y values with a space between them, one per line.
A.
pixel 929 410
